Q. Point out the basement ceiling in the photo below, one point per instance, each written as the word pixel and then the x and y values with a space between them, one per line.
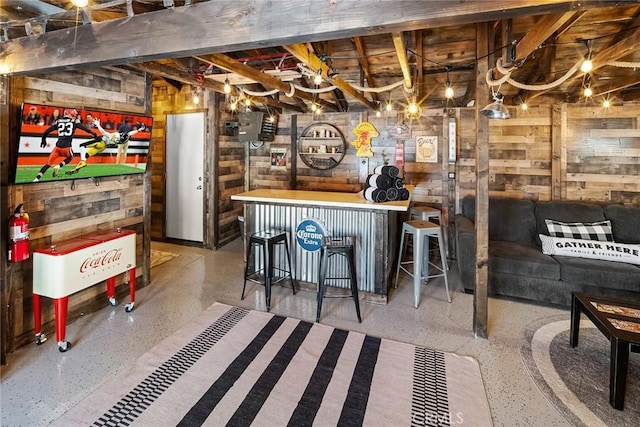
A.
pixel 535 49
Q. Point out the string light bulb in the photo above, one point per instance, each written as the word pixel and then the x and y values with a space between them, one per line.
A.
pixel 80 3
pixel 317 79
pixel 448 92
pixel 378 113
pixel 389 107
pixel 587 65
pixel 196 97
pixel 247 102
pixel 227 86
pixel 234 105
pixel 588 92
pixel 524 106
pixel 314 107
pixel 606 103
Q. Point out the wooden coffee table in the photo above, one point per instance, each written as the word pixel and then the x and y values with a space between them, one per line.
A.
pixel 619 321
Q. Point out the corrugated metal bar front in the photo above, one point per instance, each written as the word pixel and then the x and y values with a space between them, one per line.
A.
pixel 370 229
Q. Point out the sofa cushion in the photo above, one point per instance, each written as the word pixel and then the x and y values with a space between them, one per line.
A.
pixel 625 222
pixel 520 259
pixel 600 230
pixel 598 273
pixel 593 249
pixel 567 212
pixel 511 220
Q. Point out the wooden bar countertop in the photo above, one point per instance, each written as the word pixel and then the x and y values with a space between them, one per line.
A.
pixel 321 198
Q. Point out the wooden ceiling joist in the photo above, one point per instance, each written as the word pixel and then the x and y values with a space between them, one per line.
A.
pixel 169 72
pixel 401 53
pixel 225 62
pixel 302 52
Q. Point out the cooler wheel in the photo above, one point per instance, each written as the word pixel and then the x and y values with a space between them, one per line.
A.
pixel 40 338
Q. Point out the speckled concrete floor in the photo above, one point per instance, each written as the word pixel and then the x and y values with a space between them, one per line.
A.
pixel 39 383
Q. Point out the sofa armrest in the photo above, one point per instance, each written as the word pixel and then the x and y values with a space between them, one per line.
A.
pixel 466 250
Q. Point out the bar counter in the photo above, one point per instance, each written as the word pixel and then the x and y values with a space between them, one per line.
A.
pixel 374 226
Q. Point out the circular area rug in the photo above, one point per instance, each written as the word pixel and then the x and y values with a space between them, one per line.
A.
pixel 576 380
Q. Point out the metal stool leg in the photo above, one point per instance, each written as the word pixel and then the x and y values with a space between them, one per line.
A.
pixel 286 246
pixel 418 239
pixel 445 267
pixel 268 272
pixel 322 275
pixel 400 252
pixel 246 268
pixel 354 282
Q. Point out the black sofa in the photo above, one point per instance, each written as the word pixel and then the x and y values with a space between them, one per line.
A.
pixel 519 268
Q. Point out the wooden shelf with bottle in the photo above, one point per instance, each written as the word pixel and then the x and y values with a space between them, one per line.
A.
pixel 322 146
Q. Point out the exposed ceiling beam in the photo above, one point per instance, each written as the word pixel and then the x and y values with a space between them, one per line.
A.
pixel 401 52
pixel 541 31
pixel 612 53
pixel 303 53
pixel 166 71
pixel 165 36
pixel 364 64
pixel 418 49
pixel 35 6
pixel 230 64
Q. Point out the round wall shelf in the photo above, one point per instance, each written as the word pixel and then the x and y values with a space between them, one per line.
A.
pixel 322 146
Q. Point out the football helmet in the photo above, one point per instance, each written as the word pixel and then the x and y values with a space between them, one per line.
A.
pixel 70 112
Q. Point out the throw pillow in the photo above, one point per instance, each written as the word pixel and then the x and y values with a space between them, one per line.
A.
pixel 594 249
pixel 600 231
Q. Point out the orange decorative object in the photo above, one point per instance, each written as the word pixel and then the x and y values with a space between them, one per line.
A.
pixel 364 132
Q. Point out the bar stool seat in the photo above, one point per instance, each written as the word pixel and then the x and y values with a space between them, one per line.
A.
pixel 421 230
pixel 268 239
pixel 343 246
pixel 427 213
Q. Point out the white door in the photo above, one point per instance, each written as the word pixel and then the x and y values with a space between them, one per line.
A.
pixel 184 176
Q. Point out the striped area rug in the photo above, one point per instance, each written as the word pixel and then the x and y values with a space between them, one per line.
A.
pixel 239 367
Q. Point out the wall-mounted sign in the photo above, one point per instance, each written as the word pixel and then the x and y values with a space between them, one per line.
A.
pixel 427 149
pixel 309 234
pixel 278 158
pixel 364 132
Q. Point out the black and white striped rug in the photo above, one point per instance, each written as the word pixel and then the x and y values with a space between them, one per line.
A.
pixel 239 367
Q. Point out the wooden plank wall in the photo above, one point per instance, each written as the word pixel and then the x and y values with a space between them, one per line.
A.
pixel 230 175
pixel 565 152
pixel 58 211
pixel 603 154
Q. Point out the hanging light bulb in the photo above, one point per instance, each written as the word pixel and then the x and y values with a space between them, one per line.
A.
pixel 247 102
pixel 587 66
pixel 314 107
pixel 524 106
pixel 317 80
pixel 80 3
pixel 272 119
pixel 448 92
pixel 227 86
pixel 378 113
pixel 389 106
pixel 196 97
pixel 413 110
pixel 606 103
pixel 234 105
pixel 588 92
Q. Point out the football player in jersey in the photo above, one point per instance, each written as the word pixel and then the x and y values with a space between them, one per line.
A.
pixel 62 153
pixel 98 145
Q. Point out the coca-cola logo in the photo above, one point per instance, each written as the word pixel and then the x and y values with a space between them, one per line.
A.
pixel 109 257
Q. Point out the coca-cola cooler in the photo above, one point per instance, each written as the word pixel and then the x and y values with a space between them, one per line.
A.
pixel 70 266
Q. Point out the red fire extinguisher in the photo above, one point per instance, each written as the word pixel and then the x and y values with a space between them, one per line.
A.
pixel 18 235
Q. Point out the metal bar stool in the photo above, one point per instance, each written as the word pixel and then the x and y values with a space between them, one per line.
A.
pixel 343 246
pixel 427 213
pixel 421 230
pixel 268 239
